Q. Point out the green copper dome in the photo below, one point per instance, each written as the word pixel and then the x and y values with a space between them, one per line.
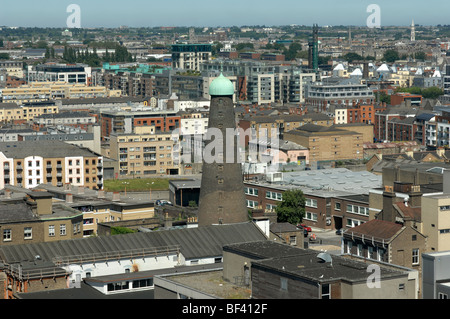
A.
pixel 221 86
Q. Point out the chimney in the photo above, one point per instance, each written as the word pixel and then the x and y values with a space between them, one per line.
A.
pixel 67 186
pixel 69 198
pixel 116 197
pixel 388 202
pixel 7 193
pixel 415 196
pixel 167 221
pixel 101 193
pixel 191 222
pixel 80 190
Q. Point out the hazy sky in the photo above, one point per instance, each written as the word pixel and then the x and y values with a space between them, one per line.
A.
pixel 151 13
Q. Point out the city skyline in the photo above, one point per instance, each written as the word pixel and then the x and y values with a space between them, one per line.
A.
pixel 203 13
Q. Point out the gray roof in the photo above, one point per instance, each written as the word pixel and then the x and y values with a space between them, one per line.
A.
pixel 48 149
pixel 194 243
pixel 305 263
pixel 15 211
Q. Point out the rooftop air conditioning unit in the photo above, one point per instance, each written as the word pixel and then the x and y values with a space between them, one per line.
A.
pixel 274 177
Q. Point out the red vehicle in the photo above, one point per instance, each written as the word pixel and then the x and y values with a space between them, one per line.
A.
pixel 303 226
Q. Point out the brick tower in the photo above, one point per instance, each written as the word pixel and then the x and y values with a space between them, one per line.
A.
pixel 222 199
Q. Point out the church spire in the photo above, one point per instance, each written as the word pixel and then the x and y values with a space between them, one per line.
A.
pixel 413 31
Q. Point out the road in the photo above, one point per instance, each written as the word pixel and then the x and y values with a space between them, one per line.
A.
pixel 326 239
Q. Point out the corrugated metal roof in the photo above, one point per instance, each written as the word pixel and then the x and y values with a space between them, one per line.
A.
pixel 193 242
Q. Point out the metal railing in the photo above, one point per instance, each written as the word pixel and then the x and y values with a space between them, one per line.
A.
pixel 116 255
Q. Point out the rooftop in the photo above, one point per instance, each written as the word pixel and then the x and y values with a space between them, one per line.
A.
pixel 46 149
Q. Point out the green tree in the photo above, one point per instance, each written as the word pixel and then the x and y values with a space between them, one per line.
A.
pixel 432 92
pixel 351 56
pixel 292 207
pixel 391 56
pixel 420 55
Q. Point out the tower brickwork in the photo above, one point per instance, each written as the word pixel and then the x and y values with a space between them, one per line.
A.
pixel 222 199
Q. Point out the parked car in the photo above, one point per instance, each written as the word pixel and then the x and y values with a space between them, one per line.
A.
pixel 163 202
pixel 303 226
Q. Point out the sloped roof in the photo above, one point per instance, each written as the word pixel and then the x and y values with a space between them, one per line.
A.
pixel 412 212
pixel 198 242
pixel 378 229
pixel 383 68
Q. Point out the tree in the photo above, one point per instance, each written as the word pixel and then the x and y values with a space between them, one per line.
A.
pixel 391 56
pixel 420 56
pixel 351 56
pixel 292 207
pixel 432 92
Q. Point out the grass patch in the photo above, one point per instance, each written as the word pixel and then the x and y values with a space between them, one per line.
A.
pixel 136 185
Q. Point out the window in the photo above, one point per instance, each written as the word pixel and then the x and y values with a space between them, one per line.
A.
pixel 380 254
pixel 62 229
pixel 274 195
pixel 442 296
pixel 349 247
pixel 252 204
pixel 51 230
pixel 251 191
pixel 415 256
pixel 293 240
pixel 337 206
pixel 283 284
pixel 7 235
pixel 309 202
pixel 311 216
pixel 143 283
pixel 28 233
pixel 326 293
pixel 370 253
pixel 359 250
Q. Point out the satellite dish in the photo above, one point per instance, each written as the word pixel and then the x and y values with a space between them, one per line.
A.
pixel 325 257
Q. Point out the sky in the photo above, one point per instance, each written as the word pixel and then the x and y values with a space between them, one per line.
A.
pixel 214 13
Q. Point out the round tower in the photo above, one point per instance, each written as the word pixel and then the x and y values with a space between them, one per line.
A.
pixel 222 199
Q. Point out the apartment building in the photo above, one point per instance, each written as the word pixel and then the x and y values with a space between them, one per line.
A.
pixel 328 143
pixel 193 122
pixel 263 82
pixel 35 109
pixel 127 83
pixel 30 163
pixel 263 125
pixel 11 113
pixel 45 91
pixel 335 198
pixel 391 123
pixel 359 113
pixel 190 56
pixel 144 153
pixel 12 68
pixel 74 119
pixel 53 72
pixel 36 218
pixel 324 94
pixel 125 121
pixel 102 208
